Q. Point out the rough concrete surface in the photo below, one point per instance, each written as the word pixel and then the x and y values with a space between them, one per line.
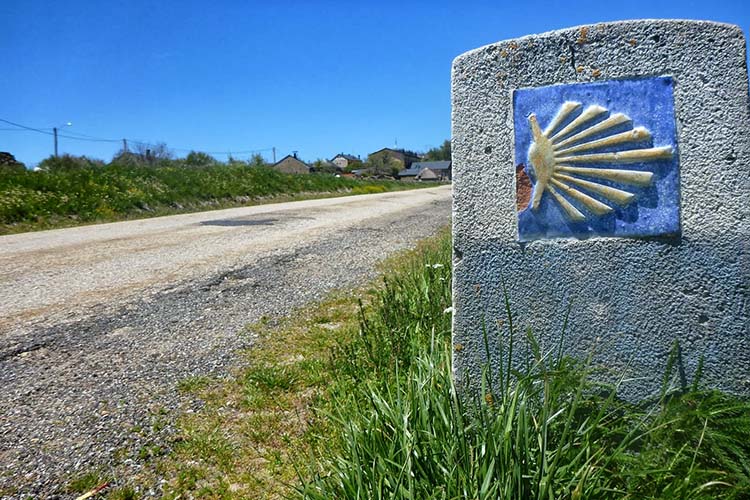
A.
pixel 629 299
pixel 100 323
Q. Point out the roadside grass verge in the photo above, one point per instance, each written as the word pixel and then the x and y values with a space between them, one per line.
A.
pixel 248 439
pixel 91 194
pixel 259 427
pixel 399 427
pixel 354 398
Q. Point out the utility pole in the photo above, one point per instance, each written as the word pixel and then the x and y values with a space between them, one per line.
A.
pixel 124 145
pixel 274 153
pixel 54 132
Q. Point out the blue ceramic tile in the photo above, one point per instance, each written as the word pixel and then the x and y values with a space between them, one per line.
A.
pixel 614 174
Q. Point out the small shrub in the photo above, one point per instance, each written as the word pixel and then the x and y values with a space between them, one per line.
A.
pixel 368 189
pixel 272 377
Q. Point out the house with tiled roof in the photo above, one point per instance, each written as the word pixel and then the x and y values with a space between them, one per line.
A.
pixel 402 156
pixel 342 160
pixel 290 164
pixel 428 171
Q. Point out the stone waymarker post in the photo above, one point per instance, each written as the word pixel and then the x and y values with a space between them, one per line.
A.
pixel 605 170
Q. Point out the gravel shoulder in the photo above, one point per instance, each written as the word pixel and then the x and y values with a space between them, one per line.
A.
pixel 99 324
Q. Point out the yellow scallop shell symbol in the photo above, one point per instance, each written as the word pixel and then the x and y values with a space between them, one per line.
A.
pixel 557 153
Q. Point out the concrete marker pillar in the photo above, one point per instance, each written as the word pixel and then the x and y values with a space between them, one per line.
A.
pixel 656 250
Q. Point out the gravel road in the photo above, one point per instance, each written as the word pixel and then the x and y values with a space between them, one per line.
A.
pixel 98 324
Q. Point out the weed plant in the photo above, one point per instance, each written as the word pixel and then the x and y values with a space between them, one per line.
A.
pixel 395 425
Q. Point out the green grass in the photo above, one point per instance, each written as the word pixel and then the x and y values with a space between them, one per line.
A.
pixel 89 192
pixel 193 384
pixel 353 398
pixel 125 493
pixel 86 482
pixel 399 429
pixel 93 480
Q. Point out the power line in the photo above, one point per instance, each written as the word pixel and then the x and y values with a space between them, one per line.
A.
pixel 25 127
pixel 247 152
pixel 66 135
pixel 80 136
pixel 90 138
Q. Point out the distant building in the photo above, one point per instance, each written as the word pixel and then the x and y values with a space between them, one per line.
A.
pixel 428 171
pixel 435 170
pixel 290 164
pixel 404 157
pixel 411 173
pixel 342 161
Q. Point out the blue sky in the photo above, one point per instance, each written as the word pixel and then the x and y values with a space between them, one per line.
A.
pixel 318 77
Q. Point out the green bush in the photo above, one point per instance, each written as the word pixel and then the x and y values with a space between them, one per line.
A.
pixel 68 162
pixel 198 159
pixel 369 189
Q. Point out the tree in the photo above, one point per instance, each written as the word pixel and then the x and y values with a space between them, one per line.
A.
pixel 68 162
pixel 143 154
pixel 256 160
pixel 442 152
pixel 354 165
pixel 199 159
pixel 153 153
pixel 231 160
pixel 8 163
pixel 324 166
pixel 382 165
pixel 127 158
